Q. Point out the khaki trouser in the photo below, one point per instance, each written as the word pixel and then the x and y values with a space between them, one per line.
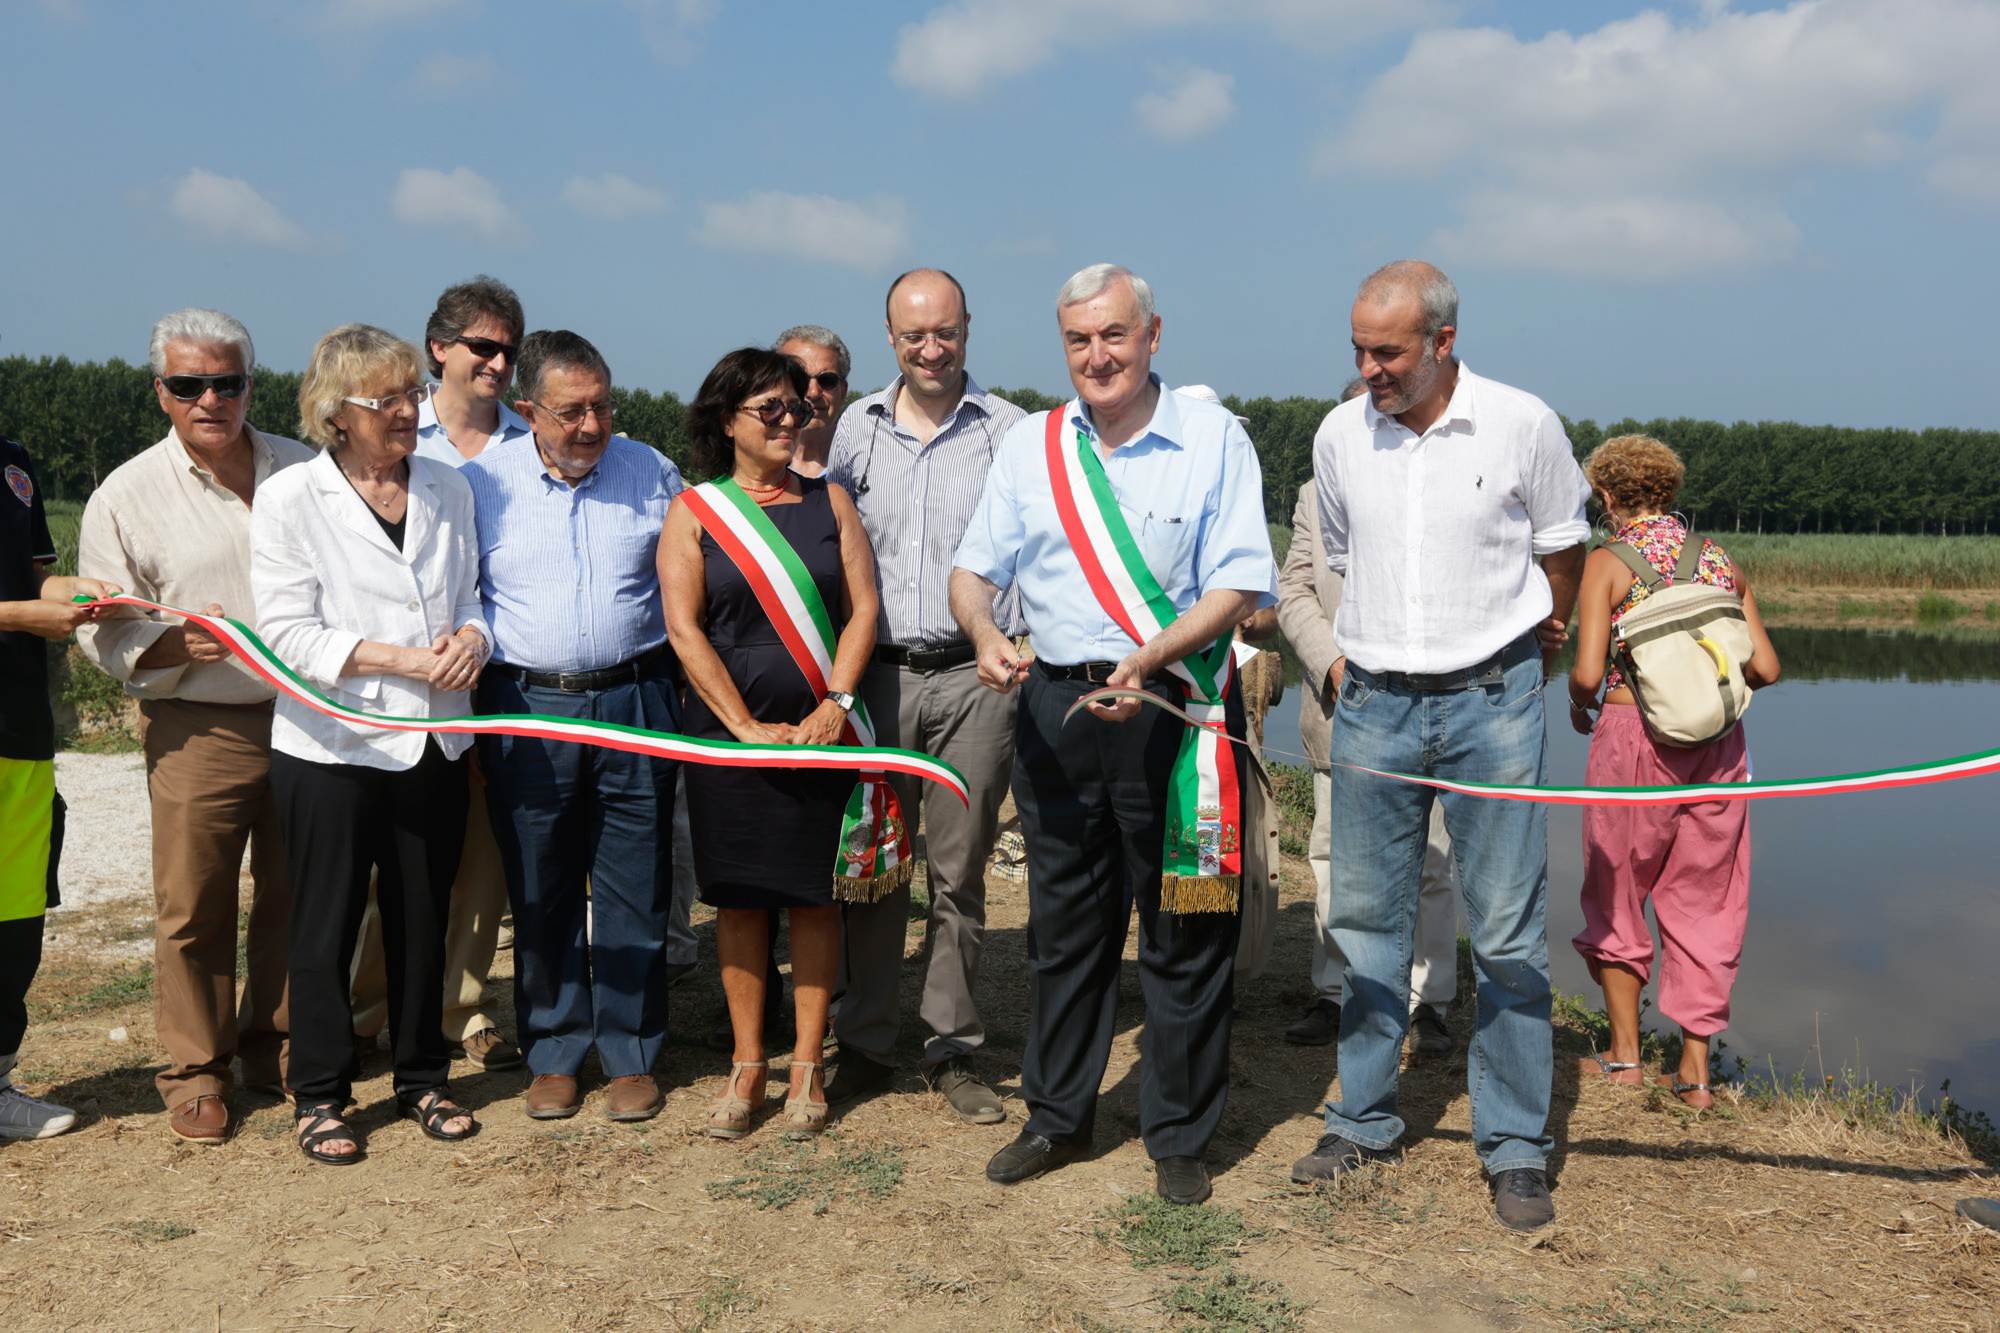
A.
pixel 208 771
pixel 1260 873
pixel 471 936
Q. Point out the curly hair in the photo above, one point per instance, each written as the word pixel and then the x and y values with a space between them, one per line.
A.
pixel 742 374
pixel 346 361
pixel 1637 471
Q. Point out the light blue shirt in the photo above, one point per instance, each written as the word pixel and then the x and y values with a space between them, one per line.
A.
pixel 1191 490
pixel 567 574
pixel 433 443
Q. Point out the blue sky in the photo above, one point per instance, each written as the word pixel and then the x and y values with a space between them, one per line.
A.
pixel 1698 209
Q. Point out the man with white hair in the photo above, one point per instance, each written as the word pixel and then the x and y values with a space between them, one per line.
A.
pixel 824 357
pixel 1131 520
pixel 1438 492
pixel 172 525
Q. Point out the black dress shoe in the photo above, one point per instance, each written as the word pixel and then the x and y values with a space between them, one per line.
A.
pixel 1029 1156
pixel 1427 1026
pixel 857 1076
pixel 1319 1027
pixel 1181 1179
pixel 1521 1199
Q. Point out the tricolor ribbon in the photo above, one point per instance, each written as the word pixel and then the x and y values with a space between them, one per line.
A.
pixel 267 666
pixel 1883 779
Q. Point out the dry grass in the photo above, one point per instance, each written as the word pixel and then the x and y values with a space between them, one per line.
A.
pixel 1781 1215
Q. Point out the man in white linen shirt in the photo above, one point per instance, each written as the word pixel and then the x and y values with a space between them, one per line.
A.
pixel 172 525
pixel 470 342
pixel 915 458
pixel 1437 492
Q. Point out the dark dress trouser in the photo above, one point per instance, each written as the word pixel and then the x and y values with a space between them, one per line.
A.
pixel 1093 799
pixel 341 821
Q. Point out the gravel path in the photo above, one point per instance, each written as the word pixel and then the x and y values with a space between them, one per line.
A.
pixel 108 835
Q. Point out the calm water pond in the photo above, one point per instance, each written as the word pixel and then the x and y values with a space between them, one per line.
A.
pixel 1874 937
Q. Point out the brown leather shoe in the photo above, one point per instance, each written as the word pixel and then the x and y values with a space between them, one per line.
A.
pixel 203 1120
pixel 633 1097
pixel 553 1097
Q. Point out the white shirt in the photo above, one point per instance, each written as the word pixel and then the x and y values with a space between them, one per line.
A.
pixel 326 576
pixel 435 444
pixel 1437 533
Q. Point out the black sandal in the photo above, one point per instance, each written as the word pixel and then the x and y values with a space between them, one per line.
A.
pixel 331 1127
pixel 430 1109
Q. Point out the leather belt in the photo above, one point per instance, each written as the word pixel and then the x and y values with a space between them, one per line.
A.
pixel 1476 677
pixel 577 682
pixel 1098 673
pixel 925 659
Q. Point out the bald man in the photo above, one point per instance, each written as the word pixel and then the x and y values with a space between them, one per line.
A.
pixel 915 458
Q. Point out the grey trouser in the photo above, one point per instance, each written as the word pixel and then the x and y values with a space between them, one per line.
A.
pixel 950 716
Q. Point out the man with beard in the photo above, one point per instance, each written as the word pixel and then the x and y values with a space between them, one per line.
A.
pixel 1438 491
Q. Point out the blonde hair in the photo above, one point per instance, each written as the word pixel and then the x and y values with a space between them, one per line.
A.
pixel 1637 471
pixel 342 362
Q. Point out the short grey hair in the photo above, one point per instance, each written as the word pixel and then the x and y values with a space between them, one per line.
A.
pixel 819 336
pixel 209 328
pixel 1088 282
pixel 1436 295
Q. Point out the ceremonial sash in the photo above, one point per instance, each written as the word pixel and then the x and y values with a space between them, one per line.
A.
pixel 1202 869
pixel 874 856
pixel 267 666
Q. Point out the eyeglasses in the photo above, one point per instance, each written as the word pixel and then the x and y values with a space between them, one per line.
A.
pixel 411 396
pixel 486 349
pixel 773 410
pixel 829 380
pixel 572 417
pixel 188 388
pixel 945 337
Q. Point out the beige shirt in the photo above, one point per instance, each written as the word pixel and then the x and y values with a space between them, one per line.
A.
pixel 163 529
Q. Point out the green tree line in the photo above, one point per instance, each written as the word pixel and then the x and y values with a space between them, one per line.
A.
pixel 80 419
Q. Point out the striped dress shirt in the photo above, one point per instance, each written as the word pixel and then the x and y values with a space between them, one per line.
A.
pixel 915 501
pixel 567 573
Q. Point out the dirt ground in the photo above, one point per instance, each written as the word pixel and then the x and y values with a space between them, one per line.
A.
pixel 1751 1217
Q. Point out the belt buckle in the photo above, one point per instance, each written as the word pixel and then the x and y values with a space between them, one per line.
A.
pixel 1090 674
pixel 564 679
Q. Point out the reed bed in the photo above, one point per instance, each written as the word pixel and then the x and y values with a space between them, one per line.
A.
pixel 1862 560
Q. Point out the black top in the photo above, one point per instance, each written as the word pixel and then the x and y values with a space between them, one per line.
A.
pixel 27 727
pixel 395 530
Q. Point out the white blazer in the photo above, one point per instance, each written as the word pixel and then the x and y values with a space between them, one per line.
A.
pixel 325 577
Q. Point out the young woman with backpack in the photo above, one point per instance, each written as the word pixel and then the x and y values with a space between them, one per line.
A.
pixel 1692 861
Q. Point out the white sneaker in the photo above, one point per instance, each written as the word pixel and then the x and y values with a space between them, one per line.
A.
pixel 25 1117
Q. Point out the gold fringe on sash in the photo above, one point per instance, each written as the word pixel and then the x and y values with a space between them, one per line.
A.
pixel 852 889
pixel 1201 893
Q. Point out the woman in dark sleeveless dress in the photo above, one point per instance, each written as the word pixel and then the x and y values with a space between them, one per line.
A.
pixel 766 838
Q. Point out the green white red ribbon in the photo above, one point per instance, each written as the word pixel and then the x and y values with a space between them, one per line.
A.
pixel 267 666
pixel 1883 779
pixel 1202 865
pixel 874 856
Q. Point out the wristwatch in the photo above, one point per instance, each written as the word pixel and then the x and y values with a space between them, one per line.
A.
pixel 843 698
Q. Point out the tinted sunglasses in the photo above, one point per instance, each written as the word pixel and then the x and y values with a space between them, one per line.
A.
pixel 188 388
pixel 828 380
pixel 486 348
pixel 773 410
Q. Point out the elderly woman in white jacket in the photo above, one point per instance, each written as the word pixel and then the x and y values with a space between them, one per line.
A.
pixel 365 568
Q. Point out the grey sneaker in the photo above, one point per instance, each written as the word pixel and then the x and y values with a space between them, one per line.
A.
pixel 25 1117
pixel 1521 1199
pixel 958 1079
pixel 1333 1157
pixel 1427 1027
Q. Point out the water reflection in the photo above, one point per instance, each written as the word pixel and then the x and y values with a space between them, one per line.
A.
pixel 1874 916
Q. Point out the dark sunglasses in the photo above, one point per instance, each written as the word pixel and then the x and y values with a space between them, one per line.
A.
pixel 828 380
pixel 773 410
pixel 486 348
pixel 188 388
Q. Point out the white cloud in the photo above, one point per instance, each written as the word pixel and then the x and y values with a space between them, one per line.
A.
pixel 668 27
pixel 229 209
pixel 444 73
pixel 1193 102
pixel 961 48
pixel 463 199
pixel 613 198
pixel 1651 149
pixel 811 227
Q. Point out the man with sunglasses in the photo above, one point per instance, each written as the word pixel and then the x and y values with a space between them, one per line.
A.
pixel 172 525
pixel 914 457
pixel 824 356
pixel 569 529
pixel 470 343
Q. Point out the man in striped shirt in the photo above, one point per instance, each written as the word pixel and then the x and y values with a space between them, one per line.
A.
pixel 915 457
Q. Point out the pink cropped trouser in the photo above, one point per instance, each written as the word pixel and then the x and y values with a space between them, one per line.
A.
pixel 1692 861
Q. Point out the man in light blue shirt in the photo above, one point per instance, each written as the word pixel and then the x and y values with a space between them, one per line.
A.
pixel 569 526
pixel 1093 794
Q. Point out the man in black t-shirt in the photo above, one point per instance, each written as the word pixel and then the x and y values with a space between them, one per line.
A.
pixel 34 605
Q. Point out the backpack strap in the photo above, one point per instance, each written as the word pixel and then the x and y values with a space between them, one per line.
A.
pixel 1638 564
pixel 1690 561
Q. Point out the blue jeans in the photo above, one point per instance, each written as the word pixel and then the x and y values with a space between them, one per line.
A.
pixel 589 962
pixel 1492 733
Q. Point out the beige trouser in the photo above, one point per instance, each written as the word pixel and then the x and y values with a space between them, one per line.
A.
pixel 471 935
pixel 1434 955
pixel 1260 873
pixel 208 770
